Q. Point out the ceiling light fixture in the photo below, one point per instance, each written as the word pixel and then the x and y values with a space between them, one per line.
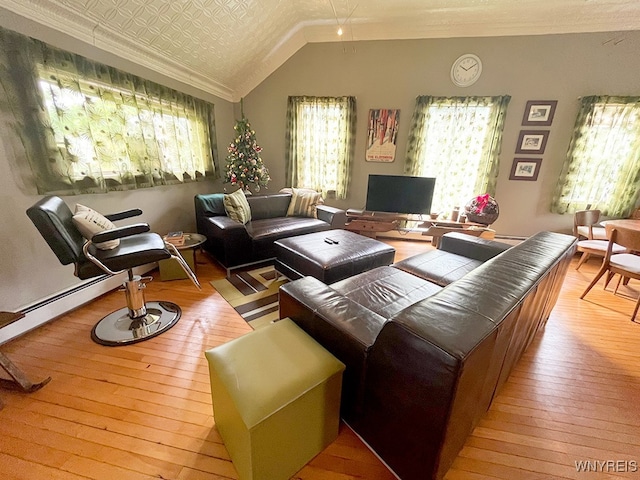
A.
pixel 340 30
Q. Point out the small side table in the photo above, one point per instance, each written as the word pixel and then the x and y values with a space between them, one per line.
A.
pixel 170 270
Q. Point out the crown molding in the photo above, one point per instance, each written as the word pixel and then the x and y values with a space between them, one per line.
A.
pixel 70 22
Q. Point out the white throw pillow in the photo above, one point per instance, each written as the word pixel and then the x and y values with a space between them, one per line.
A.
pixel 237 207
pixel 89 222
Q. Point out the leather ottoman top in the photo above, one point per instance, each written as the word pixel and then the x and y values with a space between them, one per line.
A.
pixel 330 256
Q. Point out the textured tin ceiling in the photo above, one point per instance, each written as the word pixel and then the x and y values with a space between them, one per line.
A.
pixel 227 47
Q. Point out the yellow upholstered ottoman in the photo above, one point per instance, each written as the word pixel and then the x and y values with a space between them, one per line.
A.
pixel 276 399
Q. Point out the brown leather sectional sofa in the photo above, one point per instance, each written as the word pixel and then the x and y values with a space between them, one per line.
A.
pixel 234 244
pixel 429 341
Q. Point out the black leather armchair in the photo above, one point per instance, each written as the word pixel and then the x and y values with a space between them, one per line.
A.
pixel 140 320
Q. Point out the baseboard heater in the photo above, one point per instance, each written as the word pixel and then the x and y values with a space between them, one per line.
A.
pixel 50 308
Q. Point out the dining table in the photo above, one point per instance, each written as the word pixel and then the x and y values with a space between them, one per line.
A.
pixel 630 223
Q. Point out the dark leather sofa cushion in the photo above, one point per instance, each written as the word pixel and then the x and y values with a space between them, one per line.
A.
pixel 269 206
pixel 472 247
pixel 266 231
pixel 386 290
pixel 457 255
pixel 438 266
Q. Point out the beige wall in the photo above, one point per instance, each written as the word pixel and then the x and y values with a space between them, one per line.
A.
pixel 390 74
pixel 386 74
pixel 29 269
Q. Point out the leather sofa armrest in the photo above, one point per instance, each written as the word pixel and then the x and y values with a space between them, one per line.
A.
pixel 342 326
pixel 227 240
pixel 225 223
pixel 350 319
pixel 335 217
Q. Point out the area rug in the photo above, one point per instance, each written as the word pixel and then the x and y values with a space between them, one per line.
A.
pixel 252 293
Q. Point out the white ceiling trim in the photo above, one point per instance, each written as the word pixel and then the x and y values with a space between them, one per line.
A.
pixel 77 26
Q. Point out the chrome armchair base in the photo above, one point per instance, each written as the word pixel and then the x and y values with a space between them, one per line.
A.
pixel 118 328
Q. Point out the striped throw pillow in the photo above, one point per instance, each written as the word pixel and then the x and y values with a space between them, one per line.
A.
pixel 303 203
pixel 89 222
pixel 237 207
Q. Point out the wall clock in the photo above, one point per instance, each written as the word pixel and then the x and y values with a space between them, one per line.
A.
pixel 466 70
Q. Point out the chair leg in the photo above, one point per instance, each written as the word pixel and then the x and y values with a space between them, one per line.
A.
pixel 615 290
pixel 635 310
pixel 585 256
pixel 599 275
pixel 177 256
pixel 608 279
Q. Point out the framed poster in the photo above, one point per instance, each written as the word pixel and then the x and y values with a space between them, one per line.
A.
pixel 539 112
pixel 382 135
pixel 525 169
pixel 532 141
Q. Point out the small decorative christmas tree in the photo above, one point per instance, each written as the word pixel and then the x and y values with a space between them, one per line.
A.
pixel 244 165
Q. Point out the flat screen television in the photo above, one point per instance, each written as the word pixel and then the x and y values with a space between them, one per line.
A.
pixel 400 194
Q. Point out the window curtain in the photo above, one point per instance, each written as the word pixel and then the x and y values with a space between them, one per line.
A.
pixel 320 139
pixel 457 140
pixel 602 167
pixel 85 127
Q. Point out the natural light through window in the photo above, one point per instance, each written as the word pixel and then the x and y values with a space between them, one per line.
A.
pixel 457 136
pixel 109 133
pixel 603 162
pixel 456 140
pixel 321 131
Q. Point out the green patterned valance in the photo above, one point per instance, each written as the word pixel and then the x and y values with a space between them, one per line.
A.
pixel 85 127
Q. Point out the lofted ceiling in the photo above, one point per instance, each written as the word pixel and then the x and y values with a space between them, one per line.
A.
pixel 227 47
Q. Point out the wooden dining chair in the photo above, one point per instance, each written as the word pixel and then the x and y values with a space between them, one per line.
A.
pixel 585 224
pixel 635 214
pixel 627 265
pixel 596 243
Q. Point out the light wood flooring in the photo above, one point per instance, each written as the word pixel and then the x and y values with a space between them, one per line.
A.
pixel 144 411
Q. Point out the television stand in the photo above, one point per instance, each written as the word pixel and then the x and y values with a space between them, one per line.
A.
pixel 436 229
pixel 369 223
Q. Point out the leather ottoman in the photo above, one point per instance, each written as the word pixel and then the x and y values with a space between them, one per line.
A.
pixel 330 256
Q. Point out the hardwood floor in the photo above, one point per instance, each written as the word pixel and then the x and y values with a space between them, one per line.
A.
pixel 144 411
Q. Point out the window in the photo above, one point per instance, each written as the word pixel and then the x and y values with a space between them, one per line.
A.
pixel 320 134
pixel 89 128
pixel 456 140
pixel 602 167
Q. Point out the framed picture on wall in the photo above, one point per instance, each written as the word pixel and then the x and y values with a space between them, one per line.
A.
pixel 525 169
pixel 382 135
pixel 539 113
pixel 532 141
